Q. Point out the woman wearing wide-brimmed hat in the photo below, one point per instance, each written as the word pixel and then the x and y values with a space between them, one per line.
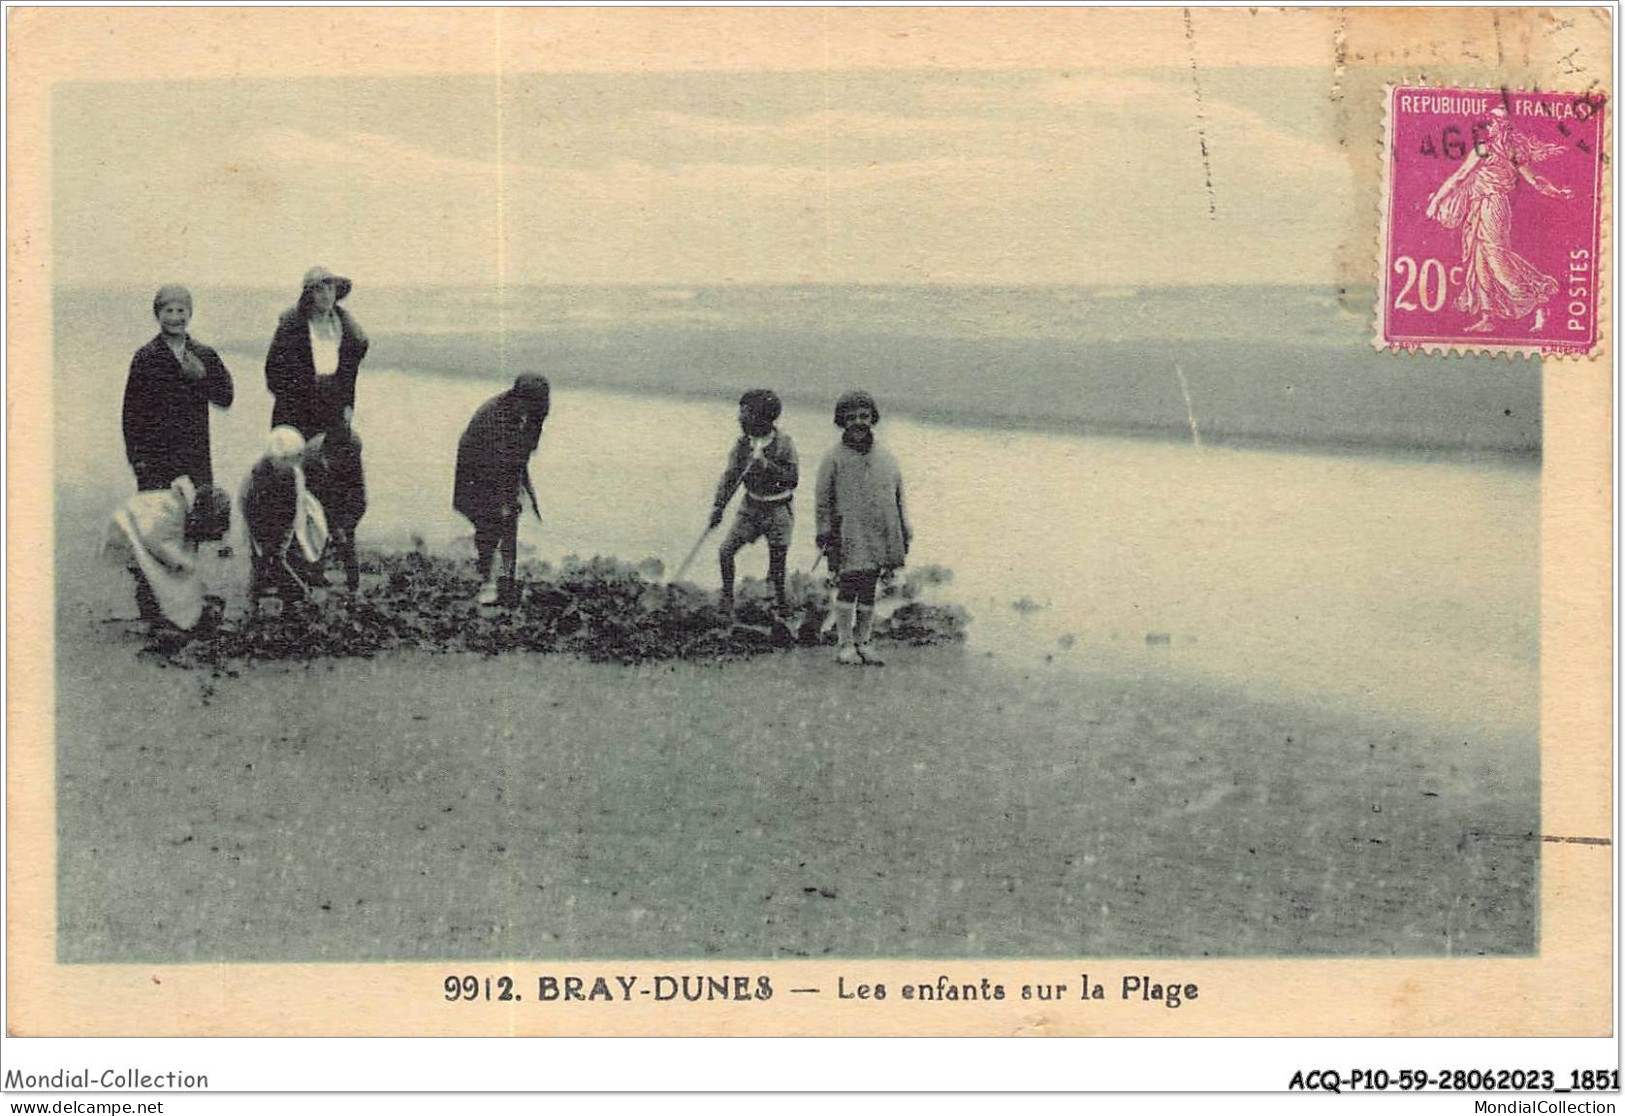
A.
pixel 311 370
pixel 314 358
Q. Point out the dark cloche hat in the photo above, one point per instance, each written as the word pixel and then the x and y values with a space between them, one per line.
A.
pixel 850 401
pixel 533 390
pixel 762 403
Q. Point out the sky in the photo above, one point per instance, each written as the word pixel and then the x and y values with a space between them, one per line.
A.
pixel 1129 178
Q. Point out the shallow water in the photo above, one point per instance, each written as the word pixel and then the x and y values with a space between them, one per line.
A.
pixel 1401 585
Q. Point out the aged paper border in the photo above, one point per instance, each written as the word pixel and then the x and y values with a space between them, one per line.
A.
pixel 1567 990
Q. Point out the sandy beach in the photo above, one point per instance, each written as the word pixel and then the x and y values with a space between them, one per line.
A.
pixel 544 807
pixel 419 806
pixel 1284 708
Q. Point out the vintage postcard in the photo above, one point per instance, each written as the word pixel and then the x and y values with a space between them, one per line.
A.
pixel 810 522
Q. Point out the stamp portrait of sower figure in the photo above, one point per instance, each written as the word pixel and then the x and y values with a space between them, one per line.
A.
pixel 1477 199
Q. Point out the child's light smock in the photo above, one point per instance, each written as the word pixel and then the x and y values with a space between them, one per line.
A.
pixel 149 531
pixel 860 506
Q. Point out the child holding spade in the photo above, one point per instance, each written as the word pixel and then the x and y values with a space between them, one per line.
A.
pixel 764 462
pixel 493 468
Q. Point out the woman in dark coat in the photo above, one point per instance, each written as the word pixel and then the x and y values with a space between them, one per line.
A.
pixel 311 369
pixel 315 357
pixel 493 468
pixel 173 380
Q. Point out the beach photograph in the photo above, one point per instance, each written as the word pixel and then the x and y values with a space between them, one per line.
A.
pixel 1217 633
pixel 775 505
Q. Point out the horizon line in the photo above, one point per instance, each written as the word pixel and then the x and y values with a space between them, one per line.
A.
pixel 726 283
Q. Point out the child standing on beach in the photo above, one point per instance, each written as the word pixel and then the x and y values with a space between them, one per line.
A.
pixel 862 527
pixel 764 462
pixel 156 533
pixel 493 468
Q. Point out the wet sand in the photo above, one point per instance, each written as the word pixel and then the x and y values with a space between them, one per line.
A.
pixel 947 805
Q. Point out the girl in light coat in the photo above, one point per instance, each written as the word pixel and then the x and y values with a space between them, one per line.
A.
pixel 862 525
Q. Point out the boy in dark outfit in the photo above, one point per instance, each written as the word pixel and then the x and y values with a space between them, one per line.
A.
pixel 493 468
pixel 764 462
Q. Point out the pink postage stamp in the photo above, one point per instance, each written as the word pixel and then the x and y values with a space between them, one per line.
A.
pixel 1491 221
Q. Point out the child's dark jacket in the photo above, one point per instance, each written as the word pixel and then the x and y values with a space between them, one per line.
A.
pixel 493 460
pixel 770 480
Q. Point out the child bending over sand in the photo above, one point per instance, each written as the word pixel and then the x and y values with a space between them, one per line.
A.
pixel 287 525
pixel 156 533
pixel 493 468
pixel 764 462
pixel 862 527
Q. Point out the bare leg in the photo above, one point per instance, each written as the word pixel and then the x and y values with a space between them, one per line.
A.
pixel 863 635
pixel 725 559
pixel 854 610
pixel 846 652
pixel 146 602
pixel 345 545
pixel 486 537
pixel 507 562
pixel 864 620
pixel 776 561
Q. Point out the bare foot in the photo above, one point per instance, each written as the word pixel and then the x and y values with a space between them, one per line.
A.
pixel 1480 326
pixel 1540 320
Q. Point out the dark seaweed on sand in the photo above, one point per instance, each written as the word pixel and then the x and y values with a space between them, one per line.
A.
pixel 602 609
